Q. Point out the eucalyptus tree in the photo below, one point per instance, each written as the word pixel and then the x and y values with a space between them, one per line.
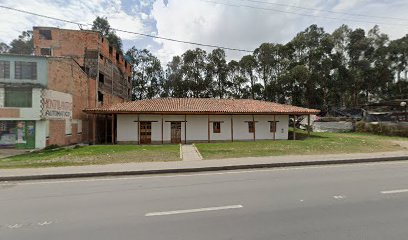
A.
pixel 248 65
pixel 147 73
pixel 219 70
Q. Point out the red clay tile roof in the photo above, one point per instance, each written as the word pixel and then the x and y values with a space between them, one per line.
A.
pixel 202 106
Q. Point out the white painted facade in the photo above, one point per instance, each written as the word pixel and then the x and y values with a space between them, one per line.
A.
pixel 197 127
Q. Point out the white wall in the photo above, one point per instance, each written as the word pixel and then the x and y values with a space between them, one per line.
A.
pixel 197 127
pixel 33 113
pixel 40 133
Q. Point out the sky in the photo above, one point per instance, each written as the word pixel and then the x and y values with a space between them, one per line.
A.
pixel 243 24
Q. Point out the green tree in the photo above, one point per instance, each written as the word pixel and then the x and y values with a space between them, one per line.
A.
pixel 219 69
pixel 101 24
pixel 147 73
pixel 248 65
pixel 4 48
pixel 23 44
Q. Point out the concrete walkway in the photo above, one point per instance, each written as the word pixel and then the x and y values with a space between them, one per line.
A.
pixel 196 166
pixel 190 153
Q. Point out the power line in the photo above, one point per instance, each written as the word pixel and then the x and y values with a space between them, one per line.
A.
pixel 129 32
pixel 300 14
pixel 323 10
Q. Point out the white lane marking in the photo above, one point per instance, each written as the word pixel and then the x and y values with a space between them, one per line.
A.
pixel 395 191
pixel 44 223
pixel 198 174
pixel 339 197
pixel 15 226
pixel 193 210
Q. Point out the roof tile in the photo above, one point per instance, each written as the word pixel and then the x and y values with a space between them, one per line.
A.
pixel 203 106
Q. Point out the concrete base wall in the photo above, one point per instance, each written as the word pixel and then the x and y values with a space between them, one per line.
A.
pixel 333 126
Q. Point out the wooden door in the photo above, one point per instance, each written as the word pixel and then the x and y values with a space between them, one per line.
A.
pixel 145 132
pixel 176 132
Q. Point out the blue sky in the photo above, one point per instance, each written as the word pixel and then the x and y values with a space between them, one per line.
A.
pixel 234 23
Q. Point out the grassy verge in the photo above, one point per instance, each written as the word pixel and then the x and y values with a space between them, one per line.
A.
pixel 318 143
pixel 89 155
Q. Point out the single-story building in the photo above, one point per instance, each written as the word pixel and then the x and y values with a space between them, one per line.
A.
pixel 189 120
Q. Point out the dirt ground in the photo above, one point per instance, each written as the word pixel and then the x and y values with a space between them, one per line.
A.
pixel 8 152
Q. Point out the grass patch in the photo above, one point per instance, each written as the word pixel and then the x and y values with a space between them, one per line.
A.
pixel 318 143
pixel 90 155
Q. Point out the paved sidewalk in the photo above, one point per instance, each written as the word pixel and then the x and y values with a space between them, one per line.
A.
pixel 196 166
pixel 190 153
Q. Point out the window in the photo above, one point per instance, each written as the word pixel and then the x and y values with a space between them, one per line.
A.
pixel 68 127
pixel 273 126
pixel 45 34
pixel 216 127
pixel 79 126
pixel 101 78
pixel 26 70
pixel 100 97
pixel 46 51
pixel 110 50
pixel 101 56
pixel 18 97
pixel 125 64
pixel 4 69
pixel 251 127
pixel 117 56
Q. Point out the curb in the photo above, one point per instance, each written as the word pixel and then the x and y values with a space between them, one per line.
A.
pixel 202 169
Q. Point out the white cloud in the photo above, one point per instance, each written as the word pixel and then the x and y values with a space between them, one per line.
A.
pixel 246 28
pixel 13 23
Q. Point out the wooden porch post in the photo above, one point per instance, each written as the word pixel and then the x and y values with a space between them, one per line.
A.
pixel 94 129
pixel 162 129
pixel 308 125
pixel 232 128
pixel 294 127
pixel 276 127
pixel 113 129
pixel 106 129
pixel 138 129
pixel 185 129
pixel 208 128
pixel 253 122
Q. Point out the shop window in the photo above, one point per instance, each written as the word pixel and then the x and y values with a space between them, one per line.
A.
pixel 4 69
pixel 20 134
pixel 45 34
pixel 216 127
pixel 18 97
pixel 46 51
pixel 251 127
pixel 26 70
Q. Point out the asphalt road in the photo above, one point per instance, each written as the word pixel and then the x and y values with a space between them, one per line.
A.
pixel 360 201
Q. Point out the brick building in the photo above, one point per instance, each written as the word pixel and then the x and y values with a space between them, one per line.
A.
pixel 41 101
pixel 109 73
pixel 42 97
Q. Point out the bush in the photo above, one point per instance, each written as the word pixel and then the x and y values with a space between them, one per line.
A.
pixel 387 129
pixel 51 147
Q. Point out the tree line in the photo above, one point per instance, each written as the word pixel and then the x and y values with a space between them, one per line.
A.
pixel 345 68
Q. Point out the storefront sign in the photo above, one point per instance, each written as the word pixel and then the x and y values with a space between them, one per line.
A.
pixel 56 105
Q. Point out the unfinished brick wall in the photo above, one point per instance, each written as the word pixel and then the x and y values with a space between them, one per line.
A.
pixel 65 75
pixel 93 53
pixel 66 42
